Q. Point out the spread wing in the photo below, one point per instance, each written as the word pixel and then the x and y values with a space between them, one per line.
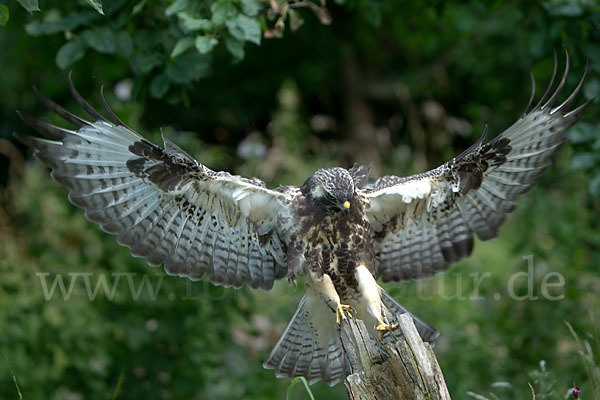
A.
pixel 424 223
pixel 163 204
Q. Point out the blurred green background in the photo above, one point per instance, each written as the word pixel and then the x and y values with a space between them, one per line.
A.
pixel 276 90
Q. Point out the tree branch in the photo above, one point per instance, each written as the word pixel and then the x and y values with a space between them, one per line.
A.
pixel 403 369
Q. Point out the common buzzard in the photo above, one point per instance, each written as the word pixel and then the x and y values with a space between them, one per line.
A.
pixel 340 229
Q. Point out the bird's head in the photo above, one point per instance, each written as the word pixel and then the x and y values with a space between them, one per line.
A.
pixel 331 189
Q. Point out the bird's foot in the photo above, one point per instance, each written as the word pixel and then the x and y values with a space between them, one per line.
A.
pixel 384 328
pixel 340 312
pixel 292 281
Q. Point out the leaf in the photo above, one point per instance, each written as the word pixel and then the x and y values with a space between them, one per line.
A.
pixel 147 40
pixel 182 46
pixel 321 12
pixel 176 6
pixel 97 4
pixel 205 44
pixel 592 51
pixel 124 44
pixel 142 63
pixel 159 86
pixel 189 23
pixel 68 23
pixel 235 47
pixel 373 12
pixel 594 185
pixel 112 7
pixel 30 5
pixel 583 132
pixel 566 10
pixel 70 52
pixel 251 7
pixel 187 68
pixel 4 14
pixel 221 11
pixel 100 39
pixel 296 20
pixel 591 89
pixel 35 28
pixel 139 7
pixel 243 28
pixel 584 160
pixel 276 31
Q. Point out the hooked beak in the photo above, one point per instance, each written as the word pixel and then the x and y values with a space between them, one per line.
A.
pixel 346 207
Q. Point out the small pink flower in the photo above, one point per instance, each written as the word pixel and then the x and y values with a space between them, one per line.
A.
pixel 576 391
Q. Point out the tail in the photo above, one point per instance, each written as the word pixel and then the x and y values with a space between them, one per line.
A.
pixel 299 353
pixel 310 345
pixel 427 332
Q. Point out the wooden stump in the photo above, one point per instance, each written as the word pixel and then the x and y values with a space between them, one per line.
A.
pixel 402 369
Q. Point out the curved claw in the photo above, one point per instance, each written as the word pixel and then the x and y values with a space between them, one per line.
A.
pixel 384 328
pixel 340 312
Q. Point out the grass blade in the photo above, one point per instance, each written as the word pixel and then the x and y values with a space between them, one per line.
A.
pixel 118 388
pixel 14 378
pixel 291 388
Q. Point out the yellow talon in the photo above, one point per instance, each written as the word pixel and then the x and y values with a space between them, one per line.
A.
pixel 340 314
pixel 384 328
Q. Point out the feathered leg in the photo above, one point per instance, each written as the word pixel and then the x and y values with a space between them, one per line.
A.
pixel 323 288
pixel 371 300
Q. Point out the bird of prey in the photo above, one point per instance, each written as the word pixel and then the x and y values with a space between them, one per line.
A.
pixel 341 229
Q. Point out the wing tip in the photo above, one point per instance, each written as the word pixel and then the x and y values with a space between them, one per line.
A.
pixel 473 147
pixel 27 140
pixel 82 102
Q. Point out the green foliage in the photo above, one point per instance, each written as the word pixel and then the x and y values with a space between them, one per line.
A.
pixel 55 24
pixel 30 5
pixel 589 352
pixel 4 15
pixel 544 383
pixel 154 37
pixel 96 4
pixel 585 137
pixel 243 28
pixel 205 44
pixel 70 52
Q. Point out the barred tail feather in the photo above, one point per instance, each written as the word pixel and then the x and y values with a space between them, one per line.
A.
pixel 299 353
pixel 427 332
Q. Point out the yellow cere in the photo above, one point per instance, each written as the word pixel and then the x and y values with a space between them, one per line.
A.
pixel 346 204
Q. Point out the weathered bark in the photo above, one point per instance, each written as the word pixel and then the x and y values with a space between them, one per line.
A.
pixel 405 368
